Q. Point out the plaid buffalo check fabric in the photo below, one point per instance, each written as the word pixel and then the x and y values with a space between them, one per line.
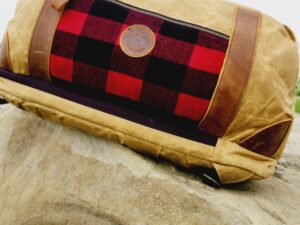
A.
pixel 178 77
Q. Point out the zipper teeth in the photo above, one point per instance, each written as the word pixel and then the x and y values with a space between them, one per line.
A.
pixel 125 5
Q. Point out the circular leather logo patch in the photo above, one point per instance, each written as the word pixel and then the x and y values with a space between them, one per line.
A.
pixel 137 41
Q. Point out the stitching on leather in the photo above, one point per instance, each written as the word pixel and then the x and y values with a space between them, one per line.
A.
pixel 217 90
pixel 46 6
pixel 250 68
pixel 216 96
pixel 33 35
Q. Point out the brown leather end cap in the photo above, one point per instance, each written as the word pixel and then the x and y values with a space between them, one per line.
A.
pixel 59 5
pixel 267 141
pixel 235 75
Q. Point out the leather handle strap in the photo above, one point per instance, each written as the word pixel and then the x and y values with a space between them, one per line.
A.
pixel 42 39
pixel 235 74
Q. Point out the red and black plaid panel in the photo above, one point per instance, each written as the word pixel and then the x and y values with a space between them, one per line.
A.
pixel 178 77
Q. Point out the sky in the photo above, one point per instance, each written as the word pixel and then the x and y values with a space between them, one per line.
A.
pixel 285 11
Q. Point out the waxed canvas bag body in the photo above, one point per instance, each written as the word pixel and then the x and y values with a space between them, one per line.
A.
pixel 200 83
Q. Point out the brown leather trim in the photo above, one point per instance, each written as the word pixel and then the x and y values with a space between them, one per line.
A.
pixel 234 77
pixel 59 5
pixel 4 54
pixel 42 41
pixel 267 141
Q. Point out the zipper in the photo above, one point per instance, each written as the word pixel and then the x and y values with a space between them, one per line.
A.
pixel 171 20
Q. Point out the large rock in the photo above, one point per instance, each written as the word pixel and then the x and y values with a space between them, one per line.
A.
pixel 53 175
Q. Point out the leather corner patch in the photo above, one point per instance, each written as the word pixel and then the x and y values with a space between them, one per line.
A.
pixel 137 41
pixel 267 141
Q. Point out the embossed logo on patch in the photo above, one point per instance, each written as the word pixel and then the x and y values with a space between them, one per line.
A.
pixel 137 41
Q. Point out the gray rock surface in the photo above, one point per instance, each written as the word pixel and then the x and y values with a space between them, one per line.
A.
pixel 53 175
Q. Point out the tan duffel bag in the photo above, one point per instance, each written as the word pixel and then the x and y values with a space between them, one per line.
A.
pixel 202 83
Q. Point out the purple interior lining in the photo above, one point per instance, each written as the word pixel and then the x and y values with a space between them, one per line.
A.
pixel 90 98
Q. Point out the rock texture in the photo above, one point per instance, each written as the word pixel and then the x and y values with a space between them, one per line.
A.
pixel 53 175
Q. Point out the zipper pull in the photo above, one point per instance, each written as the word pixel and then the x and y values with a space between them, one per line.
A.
pixel 59 5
